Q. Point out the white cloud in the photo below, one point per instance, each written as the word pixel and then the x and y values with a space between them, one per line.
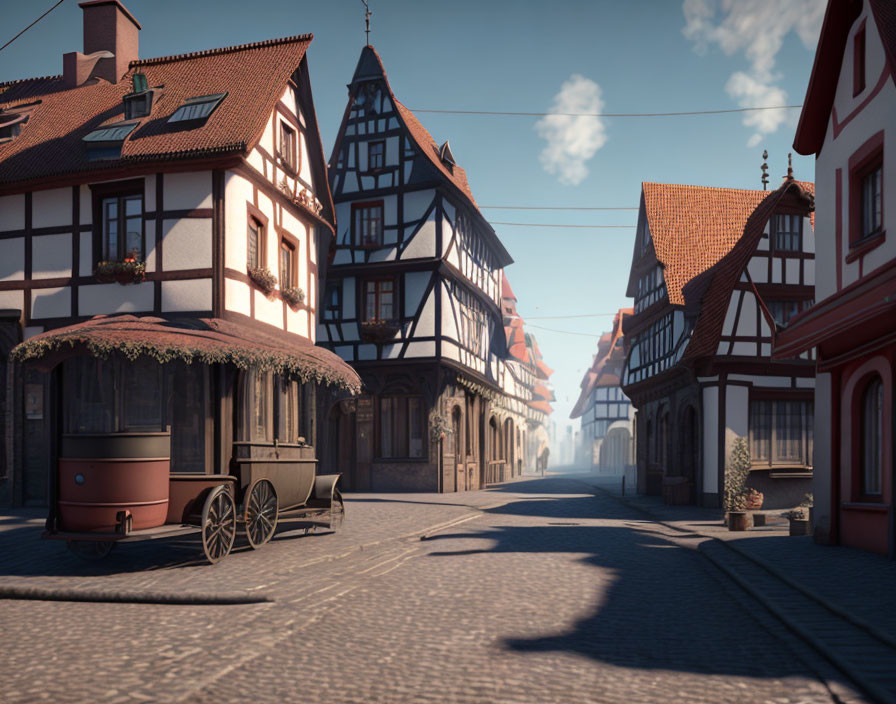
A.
pixel 758 28
pixel 572 140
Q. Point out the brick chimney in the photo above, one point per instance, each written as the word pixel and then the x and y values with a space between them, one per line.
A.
pixel 108 28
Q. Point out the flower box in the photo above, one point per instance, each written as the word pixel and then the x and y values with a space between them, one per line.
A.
pixel 264 279
pixel 293 295
pixel 128 271
pixel 378 330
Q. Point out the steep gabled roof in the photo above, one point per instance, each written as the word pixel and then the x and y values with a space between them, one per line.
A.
pixel 253 76
pixel 370 67
pixel 838 20
pixel 693 227
pixel 712 289
pixel 607 364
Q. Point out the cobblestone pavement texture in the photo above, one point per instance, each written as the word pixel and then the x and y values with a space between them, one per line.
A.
pixel 856 581
pixel 544 593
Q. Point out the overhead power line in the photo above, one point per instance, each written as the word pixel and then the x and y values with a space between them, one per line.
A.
pixel 565 332
pixel 557 317
pixel 31 25
pixel 608 114
pixel 550 207
pixel 544 224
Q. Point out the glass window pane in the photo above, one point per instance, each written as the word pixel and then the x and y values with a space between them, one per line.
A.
pixel 90 395
pixel 134 237
pixel 259 399
pixel 133 206
pixel 187 386
pixel 141 395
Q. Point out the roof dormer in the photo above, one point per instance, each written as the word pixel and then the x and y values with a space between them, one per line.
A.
pixel 446 156
pixel 13 120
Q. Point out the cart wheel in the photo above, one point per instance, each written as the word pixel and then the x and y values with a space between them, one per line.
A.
pixel 91 550
pixel 337 511
pixel 261 512
pixel 218 524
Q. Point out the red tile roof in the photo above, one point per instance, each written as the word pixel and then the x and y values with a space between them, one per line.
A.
pixel 506 291
pixel 428 146
pixel 693 227
pixel 712 290
pixel 254 77
pixel 607 365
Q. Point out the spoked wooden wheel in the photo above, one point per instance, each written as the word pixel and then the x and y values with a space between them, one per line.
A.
pixel 261 512
pixel 91 550
pixel 337 511
pixel 218 524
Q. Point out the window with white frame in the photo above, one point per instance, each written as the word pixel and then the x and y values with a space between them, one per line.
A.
pixel 781 432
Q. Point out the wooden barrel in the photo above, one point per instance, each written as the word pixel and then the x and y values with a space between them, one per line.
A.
pixel 100 475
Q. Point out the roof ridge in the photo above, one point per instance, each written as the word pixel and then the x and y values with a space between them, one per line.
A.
pixel 222 50
pixel 15 81
pixel 708 188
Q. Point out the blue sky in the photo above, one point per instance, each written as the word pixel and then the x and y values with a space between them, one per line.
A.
pixel 502 55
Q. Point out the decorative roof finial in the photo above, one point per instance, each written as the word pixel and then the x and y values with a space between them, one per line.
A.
pixel 366 20
pixel 764 169
pixel 790 166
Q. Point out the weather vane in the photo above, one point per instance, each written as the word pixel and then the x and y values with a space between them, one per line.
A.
pixel 764 169
pixel 366 20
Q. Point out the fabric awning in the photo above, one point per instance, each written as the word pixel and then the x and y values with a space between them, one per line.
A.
pixel 204 340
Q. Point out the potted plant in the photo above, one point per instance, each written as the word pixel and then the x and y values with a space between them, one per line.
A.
pixel 264 279
pixel 735 494
pixel 799 521
pixel 808 503
pixel 754 499
pixel 293 295
pixel 376 330
pixel 130 270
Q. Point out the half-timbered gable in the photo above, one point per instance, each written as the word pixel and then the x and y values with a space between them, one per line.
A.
pixel 415 267
pixel 847 123
pixel 602 405
pixel 186 191
pixel 734 264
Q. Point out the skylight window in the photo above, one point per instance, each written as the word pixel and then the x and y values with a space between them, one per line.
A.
pixel 11 125
pixel 110 133
pixel 198 108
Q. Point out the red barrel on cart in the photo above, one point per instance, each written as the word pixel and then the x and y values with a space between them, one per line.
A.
pixel 102 475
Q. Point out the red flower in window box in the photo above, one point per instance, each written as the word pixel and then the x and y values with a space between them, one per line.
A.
pixel 375 330
pixel 130 270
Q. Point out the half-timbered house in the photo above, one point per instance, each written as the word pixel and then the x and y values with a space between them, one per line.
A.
pixel 849 122
pixel 606 413
pixel 162 210
pixel 713 270
pixel 527 397
pixel 412 302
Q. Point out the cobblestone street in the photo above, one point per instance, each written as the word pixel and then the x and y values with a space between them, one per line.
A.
pixel 536 591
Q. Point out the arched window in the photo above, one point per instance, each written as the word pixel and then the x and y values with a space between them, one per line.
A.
pixel 872 436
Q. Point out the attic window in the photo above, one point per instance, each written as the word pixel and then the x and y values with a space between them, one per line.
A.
pixel 198 108
pixel 11 125
pixel 137 105
pixel 110 133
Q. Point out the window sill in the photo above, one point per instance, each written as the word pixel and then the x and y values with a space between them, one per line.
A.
pixel 860 248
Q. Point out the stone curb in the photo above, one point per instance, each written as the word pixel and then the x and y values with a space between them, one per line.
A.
pixel 832 657
pixel 36 593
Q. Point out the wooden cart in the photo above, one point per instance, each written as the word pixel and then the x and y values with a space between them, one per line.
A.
pixel 120 493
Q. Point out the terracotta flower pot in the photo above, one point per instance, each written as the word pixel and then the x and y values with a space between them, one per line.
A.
pixel 754 501
pixel 738 520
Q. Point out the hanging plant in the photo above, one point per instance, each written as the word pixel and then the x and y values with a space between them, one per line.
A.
pixel 264 279
pixel 378 330
pixel 439 427
pixel 293 295
pixel 130 270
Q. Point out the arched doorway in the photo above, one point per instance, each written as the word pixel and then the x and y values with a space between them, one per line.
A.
pixel 493 452
pixel 339 451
